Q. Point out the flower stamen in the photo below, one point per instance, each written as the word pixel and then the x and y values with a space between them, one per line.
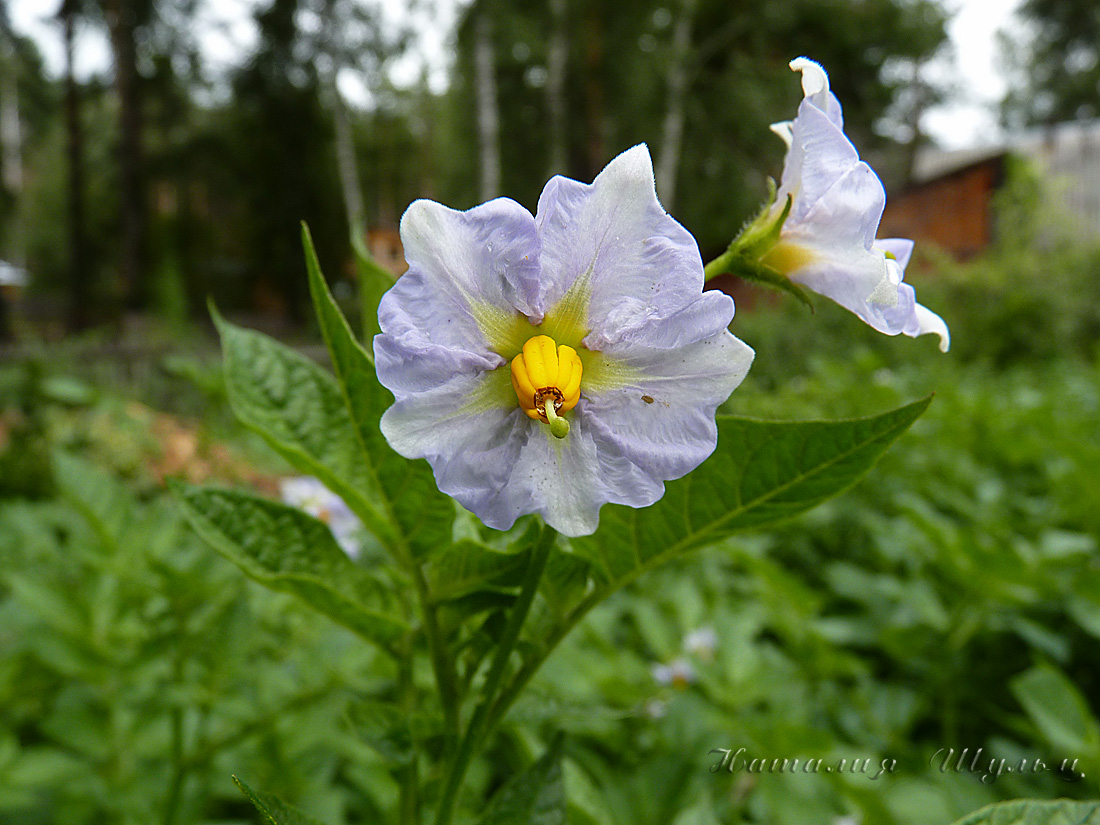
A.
pixel 559 427
pixel 547 381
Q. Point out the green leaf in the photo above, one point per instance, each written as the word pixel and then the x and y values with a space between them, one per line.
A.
pixel 374 280
pixel 535 797
pixel 405 490
pixel 1057 708
pixel 564 581
pixel 1035 812
pixel 385 727
pixel 274 810
pixel 288 550
pixel 101 500
pixel 299 409
pixel 761 472
pixel 467 567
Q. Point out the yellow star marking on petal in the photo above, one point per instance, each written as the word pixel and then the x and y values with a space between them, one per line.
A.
pixel 547 381
pixel 786 257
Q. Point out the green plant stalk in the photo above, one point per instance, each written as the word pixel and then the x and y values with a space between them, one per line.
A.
pixel 722 264
pixel 480 725
pixel 409 775
pixel 524 675
pixel 175 789
pixel 443 667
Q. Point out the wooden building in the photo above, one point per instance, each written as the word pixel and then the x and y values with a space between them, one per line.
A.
pixel 951 209
pixel 950 204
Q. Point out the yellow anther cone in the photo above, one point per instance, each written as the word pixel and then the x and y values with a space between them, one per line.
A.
pixel 547 381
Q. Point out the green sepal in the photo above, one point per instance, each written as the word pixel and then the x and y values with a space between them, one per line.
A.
pixel 273 809
pixel 751 269
pixel 760 234
pixel 743 257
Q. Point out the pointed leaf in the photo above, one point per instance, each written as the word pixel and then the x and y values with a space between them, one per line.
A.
pixel 762 472
pixel 299 409
pixel 1057 708
pixel 406 489
pixel 385 727
pixel 288 550
pixel 1035 812
pixel 467 567
pixel 273 809
pixel 374 280
pixel 535 797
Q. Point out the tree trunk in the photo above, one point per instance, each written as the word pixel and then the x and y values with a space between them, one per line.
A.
pixel 672 132
pixel 80 272
pixel 9 117
pixel 346 163
pixel 345 160
pixel 12 160
pixel 122 22
pixel 488 113
pixel 557 57
pixel 921 99
pixel 596 156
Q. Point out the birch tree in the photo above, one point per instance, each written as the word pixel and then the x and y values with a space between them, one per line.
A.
pixel 488 113
pixel 672 131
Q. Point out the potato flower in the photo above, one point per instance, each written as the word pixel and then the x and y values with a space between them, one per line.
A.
pixel 552 363
pixel 678 673
pixel 827 242
pixel 310 495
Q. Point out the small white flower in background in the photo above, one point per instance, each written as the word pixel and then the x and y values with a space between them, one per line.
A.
pixel 827 242
pixel 655 709
pixel 678 673
pixel 701 642
pixel 313 497
pixel 846 820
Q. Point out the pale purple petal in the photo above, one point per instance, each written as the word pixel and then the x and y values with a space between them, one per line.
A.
pixel 900 315
pixel 408 362
pixel 682 368
pixel 900 248
pixel 930 322
pixel 815 88
pixel 820 158
pixel 563 480
pixel 851 275
pixel 614 239
pixel 471 446
pixel 486 256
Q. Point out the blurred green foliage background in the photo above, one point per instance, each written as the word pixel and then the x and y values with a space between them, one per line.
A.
pixel 951 600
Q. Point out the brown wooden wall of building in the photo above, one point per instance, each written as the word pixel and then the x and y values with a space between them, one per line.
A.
pixel 954 212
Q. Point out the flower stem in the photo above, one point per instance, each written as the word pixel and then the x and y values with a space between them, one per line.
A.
pixel 519 680
pixel 442 665
pixel 409 798
pixel 720 265
pixel 479 726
